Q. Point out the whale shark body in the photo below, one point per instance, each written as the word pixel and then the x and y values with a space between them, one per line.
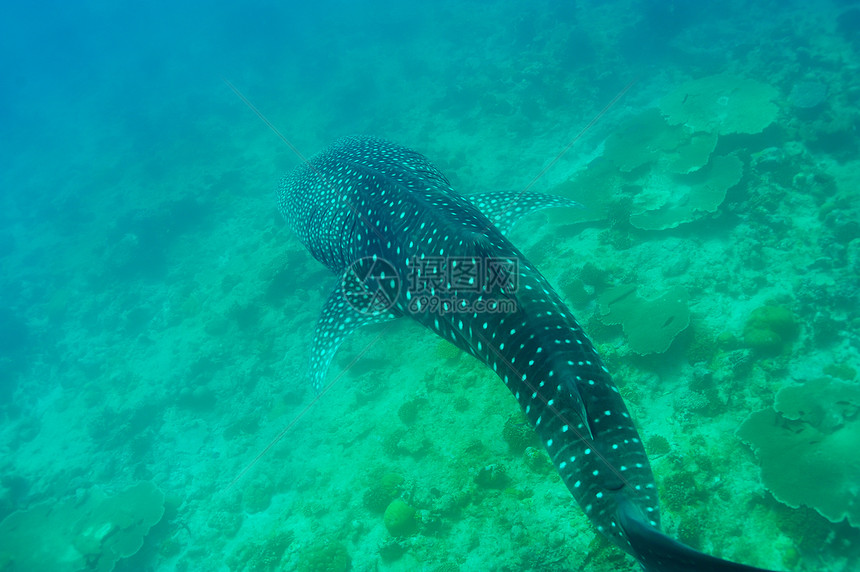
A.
pixel 406 244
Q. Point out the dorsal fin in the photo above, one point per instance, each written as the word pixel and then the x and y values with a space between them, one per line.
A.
pixel 504 208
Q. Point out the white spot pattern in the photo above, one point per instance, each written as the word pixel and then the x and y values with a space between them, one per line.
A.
pixel 365 197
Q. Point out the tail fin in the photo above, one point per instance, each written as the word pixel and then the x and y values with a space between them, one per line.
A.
pixel 656 552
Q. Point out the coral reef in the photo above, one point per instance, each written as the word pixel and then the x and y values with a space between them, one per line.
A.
pixel 258 495
pixel 261 556
pixel 657 445
pixel 669 202
pixel 447 351
pixel 382 490
pixel 391 549
pixel 650 325
pixel 647 139
pixel 840 371
pixel 594 188
pixel 770 330
pixel 642 139
pixel 537 460
pixel 403 442
pixel 400 518
pixel 575 292
pixel 703 347
pixel 226 523
pixel 808 94
pixel 493 476
pixel 92 532
pixel 518 434
pixel 807 446
pixel 722 104
pixel 324 557
pixel 408 412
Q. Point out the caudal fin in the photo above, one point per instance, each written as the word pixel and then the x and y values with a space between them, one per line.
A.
pixel 656 552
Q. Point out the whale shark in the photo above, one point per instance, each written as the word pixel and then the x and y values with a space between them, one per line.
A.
pixel 405 244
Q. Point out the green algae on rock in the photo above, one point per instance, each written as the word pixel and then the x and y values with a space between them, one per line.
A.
pixel 807 447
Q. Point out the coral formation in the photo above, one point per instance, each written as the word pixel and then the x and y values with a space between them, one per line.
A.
pixel 657 445
pixel 770 330
pixel 226 523
pixel 650 325
pixel 642 139
pixel 408 412
pixel 663 160
pixel 807 446
pixel 400 518
pixel 667 203
pixel 722 104
pixel 402 442
pixel 537 460
pixel 647 139
pixel 681 490
pixel 392 549
pixel 493 476
pixel 91 533
pixel 324 557
pixel 261 556
pixel 575 292
pixel 840 371
pixel 808 94
pixel 382 490
pixel 594 276
pixel 594 188
pixel 692 155
pixel 447 351
pixel 258 495
pixel 518 434
pixel 703 348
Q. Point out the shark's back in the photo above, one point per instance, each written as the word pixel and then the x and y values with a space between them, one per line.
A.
pixel 354 198
pixel 373 212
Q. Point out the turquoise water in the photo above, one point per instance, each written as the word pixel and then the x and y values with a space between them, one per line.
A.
pixel 156 313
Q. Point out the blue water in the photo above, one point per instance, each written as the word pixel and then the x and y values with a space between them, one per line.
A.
pixel 156 314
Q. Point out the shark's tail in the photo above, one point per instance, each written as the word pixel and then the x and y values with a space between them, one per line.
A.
pixel 656 552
